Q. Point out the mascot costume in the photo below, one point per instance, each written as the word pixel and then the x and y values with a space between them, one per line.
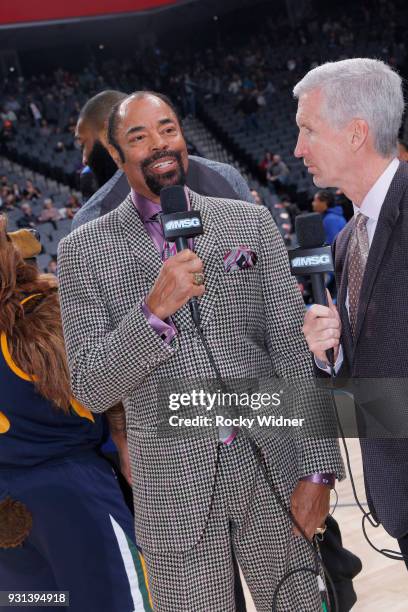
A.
pixel 64 526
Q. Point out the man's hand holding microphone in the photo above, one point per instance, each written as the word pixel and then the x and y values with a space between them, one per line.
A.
pixel 322 329
pixel 180 278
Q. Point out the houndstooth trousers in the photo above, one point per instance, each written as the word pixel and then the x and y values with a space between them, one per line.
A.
pixel 245 520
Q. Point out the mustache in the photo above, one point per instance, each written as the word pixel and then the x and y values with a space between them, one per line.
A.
pixel 159 155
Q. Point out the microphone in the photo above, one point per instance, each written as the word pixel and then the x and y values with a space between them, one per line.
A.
pixel 179 224
pixel 312 258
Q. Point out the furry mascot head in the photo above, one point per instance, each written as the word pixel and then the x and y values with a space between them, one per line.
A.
pixel 34 331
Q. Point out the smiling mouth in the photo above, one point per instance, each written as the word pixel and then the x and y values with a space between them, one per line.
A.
pixel 163 164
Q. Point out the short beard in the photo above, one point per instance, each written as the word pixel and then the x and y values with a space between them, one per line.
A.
pixel 156 182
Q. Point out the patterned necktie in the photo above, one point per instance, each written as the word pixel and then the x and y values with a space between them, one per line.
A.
pixel 357 259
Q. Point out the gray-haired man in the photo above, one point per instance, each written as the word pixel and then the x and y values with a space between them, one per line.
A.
pixel 349 116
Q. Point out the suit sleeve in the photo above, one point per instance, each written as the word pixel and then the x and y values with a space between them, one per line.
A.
pixel 106 362
pixel 291 359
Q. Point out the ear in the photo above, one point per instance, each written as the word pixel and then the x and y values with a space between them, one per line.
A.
pixel 115 156
pixel 103 134
pixel 357 134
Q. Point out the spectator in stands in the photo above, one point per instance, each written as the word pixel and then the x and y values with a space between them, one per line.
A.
pixel 49 213
pixel 45 129
pixel 12 104
pixel 266 164
pixel 256 197
pixel 59 147
pixel 402 150
pixel 17 192
pixel 248 106
pixel 291 208
pixel 28 220
pixel 34 111
pixel 333 218
pixel 8 201
pixel 277 174
pixel 8 115
pixel 52 266
pixel 31 192
pixel 235 85
pixel 71 207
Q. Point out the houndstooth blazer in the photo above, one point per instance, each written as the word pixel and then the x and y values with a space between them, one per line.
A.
pixel 252 319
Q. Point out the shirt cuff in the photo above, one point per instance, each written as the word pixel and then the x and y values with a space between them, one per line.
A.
pixel 325 479
pixel 323 366
pixel 165 329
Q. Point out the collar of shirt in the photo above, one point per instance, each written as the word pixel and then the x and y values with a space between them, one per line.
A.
pixel 147 208
pixel 373 201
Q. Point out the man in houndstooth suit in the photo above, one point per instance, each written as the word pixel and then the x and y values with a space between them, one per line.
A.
pixel 198 500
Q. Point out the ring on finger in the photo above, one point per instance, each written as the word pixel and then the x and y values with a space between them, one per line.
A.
pixel 198 278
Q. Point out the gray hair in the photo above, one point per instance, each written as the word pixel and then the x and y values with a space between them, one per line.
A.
pixel 360 88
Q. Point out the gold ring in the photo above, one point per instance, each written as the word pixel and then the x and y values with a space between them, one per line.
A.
pixel 198 278
pixel 320 530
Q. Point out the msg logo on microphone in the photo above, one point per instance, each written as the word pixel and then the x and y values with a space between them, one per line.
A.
pixel 311 260
pixel 178 224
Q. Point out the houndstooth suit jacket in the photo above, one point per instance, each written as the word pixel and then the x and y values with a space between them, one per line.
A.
pixel 252 319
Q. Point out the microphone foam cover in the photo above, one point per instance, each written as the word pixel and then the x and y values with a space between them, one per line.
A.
pixel 173 199
pixel 310 230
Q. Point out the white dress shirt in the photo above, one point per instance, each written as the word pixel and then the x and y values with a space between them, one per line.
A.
pixel 371 208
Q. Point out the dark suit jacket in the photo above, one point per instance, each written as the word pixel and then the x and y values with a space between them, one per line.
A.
pixel 377 359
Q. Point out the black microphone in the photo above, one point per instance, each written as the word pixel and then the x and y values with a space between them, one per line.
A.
pixel 312 258
pixel 179 224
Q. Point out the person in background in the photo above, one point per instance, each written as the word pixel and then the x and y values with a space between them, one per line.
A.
pixel 28 219
pixel 31 192
pixel 277 175
pixel 256 197
pixel 402 150
pixel 49 213
pixel 266 164
pixel 333 218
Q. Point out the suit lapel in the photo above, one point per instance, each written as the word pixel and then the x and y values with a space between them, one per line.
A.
pixel 147 258
pixel 208 250
pixel 388 217
pixel 149 261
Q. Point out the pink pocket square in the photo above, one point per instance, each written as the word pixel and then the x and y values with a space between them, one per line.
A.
pixel 240 258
